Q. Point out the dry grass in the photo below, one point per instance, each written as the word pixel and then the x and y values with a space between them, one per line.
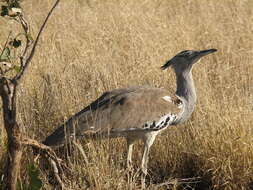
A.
pixel 93 46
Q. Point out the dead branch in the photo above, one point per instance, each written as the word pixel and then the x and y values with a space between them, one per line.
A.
pixel 177 182
pixel 56 163
pixel 56 173
pixel 26 58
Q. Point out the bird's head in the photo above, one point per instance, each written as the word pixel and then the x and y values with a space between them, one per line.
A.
pixel 184 60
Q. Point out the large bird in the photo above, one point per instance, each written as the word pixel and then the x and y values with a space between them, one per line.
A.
pixel 136 113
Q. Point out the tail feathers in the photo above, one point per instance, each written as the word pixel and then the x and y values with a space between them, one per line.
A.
pixel 57 138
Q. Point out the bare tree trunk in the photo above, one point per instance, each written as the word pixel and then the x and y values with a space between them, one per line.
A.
pixel 15 150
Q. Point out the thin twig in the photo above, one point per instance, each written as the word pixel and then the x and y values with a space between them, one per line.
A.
pixel 56 173
pixel 20 75
pixel 79 147
pixel 6 42
pixel 2 72
pixel 177 182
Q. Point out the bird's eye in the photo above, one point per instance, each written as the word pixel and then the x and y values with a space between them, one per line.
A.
pixel 185 53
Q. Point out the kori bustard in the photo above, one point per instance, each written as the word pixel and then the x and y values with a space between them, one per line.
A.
pixel 136 113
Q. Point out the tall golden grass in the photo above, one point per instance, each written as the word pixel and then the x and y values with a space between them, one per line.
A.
pixel 93 46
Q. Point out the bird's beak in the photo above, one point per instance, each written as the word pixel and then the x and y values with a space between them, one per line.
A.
pixel 200 54
pixel 205 52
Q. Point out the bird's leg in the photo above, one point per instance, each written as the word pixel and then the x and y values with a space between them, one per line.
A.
pixel 144 163
pixel 130 143
pixel 129 153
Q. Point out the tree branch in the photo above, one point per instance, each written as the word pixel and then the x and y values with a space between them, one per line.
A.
pixel 56 163
pixel 26 59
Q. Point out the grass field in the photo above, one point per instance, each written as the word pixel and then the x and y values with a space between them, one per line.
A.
pixel 93 46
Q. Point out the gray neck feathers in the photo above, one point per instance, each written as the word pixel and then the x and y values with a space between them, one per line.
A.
pixel 186 91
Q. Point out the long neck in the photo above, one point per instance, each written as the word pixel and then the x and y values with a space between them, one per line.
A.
pixel 186 91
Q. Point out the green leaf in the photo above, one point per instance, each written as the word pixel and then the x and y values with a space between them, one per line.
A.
pixel 14 3
pixel 19 186
pixel 35 182
pixel 5 54
pixel 16 68
pixel 32 170
pixel 4 10
pixel 15 43
pixel 29 36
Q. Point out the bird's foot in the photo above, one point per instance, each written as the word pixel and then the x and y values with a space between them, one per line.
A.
pixel 143 180
pixel 144 175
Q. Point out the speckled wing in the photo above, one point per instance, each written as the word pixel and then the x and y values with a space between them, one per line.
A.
pixel 142 109
pixel 128 109
pixel 135 108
